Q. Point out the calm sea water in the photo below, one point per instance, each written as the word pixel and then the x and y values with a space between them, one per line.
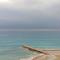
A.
pixel 11 41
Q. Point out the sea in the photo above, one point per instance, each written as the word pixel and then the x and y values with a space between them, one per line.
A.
pixel 11 43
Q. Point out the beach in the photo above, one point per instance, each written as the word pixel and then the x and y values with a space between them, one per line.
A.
pixel 53 55
pixel 47 57
pixel 44 57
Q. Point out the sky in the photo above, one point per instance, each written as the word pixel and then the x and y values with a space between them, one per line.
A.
pixel 29 14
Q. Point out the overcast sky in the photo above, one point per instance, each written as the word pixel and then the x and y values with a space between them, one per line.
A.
pixel 29 14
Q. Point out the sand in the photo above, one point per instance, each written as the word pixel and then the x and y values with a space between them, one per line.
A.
pixel 53 55
pixel 50 57
pixel 43 57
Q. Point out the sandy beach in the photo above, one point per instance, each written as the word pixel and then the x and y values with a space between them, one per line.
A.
pixel 43 54
pixel 53 55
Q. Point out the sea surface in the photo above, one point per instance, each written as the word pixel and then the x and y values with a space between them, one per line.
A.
pixel 11 42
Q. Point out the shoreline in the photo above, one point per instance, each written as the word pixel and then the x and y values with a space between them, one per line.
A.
pixel 53 55
pixel 43 54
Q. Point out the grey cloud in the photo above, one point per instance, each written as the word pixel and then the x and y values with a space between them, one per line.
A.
pixel 27 5
pixel 30 14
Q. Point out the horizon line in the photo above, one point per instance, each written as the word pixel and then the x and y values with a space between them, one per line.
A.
pixel 29 29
